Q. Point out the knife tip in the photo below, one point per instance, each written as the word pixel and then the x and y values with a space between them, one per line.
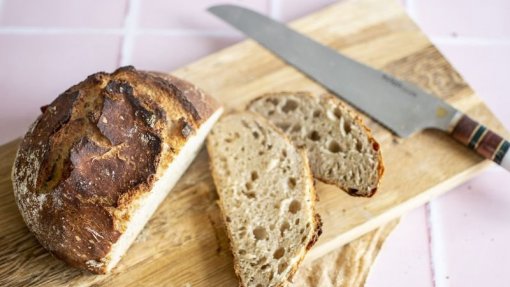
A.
pixel 213 8
pixel 216 8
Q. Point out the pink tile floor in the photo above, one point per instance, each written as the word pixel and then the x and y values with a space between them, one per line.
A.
pixel 459 239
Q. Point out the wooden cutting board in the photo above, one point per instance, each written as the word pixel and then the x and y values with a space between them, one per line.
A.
pixel 184 243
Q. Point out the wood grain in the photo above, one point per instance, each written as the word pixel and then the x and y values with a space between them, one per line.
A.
pixel 184 242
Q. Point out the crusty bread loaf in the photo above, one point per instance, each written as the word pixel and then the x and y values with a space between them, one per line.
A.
pixel 341 149
pixel 267 198
pixel 102 156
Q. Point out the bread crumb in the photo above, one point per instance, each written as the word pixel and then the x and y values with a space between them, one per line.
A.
pixel 94 264
pixel 41 199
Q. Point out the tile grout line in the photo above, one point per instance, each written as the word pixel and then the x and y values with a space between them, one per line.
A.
pixel 480 41
pixel 129 32
pixel 477 41
pixel 58 31
pixel 436 248
pixel 428 224
pixel 119 51
pixel 112 31
pixel 275 9
pixel 189 32
pixel 411 9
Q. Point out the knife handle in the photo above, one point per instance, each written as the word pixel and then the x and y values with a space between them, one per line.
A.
pixel 481 139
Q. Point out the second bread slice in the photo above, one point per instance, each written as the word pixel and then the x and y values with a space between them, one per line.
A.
pixel 340 148
pixel 267 198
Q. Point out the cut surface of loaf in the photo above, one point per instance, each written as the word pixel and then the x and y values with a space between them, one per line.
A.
pixel 96 164
pixel 341 149
pixel 267 198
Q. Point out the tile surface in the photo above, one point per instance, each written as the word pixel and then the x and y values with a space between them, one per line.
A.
pixel 287 10
pixel 462 18
pixel 167 53
pixel 472 228
pixel 63 13
pixel 37 68
pixel 404 259
pixel 163 14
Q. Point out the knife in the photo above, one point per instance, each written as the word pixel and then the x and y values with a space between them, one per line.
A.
pixel 400 106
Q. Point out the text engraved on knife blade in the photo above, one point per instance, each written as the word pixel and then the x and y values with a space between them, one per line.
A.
pixel 399 85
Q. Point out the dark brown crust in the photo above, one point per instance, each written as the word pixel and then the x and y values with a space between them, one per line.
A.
pixel 95 150
pixel 192 98
pixel 316 217
pixel 318 232
pixel 317 222
pixel 357 118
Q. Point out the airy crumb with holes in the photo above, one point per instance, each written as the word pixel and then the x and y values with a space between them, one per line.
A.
pixel 340 148
pixel 268 186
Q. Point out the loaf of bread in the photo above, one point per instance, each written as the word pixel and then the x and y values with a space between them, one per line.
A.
pixel 341 149
pixel 266 196
pixel 103 155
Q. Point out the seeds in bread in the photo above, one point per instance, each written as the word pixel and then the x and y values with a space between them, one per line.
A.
pixel 341 149
pixel 266 195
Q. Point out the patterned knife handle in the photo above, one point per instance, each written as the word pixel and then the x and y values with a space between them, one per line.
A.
pixel 484 141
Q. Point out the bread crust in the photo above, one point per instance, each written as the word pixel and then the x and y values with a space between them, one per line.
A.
pixel 357 119
pixel 95 150
pixel 317 231
pixel 317 219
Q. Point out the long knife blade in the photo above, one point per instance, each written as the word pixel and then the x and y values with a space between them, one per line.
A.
pixel 400 106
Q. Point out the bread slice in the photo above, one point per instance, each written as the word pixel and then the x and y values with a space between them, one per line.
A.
pixel 267 198
pixel 100 159
pixel 341 149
